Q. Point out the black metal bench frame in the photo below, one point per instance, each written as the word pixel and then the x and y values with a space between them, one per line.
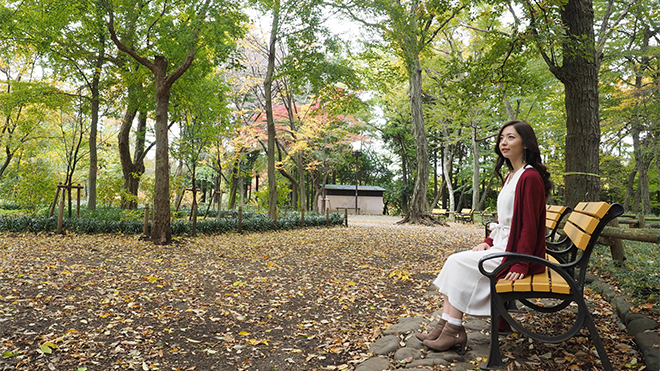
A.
pixel 566 270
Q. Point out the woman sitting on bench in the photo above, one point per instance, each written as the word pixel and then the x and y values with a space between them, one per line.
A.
pixel 520 228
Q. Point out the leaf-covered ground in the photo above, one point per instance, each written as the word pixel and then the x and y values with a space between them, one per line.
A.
pixel 312 299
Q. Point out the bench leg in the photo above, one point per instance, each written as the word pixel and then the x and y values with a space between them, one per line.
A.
pixel 598 342
pixel 494 361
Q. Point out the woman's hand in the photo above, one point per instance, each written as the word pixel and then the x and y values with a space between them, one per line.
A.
pixel 512 276
pixel 481 247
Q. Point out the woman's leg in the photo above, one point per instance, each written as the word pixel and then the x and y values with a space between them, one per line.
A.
pixel 453 313
pixel 453 332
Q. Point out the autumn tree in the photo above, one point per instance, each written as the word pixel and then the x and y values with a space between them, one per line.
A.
pixel 409 27
pixel 212 25
pixel 298 25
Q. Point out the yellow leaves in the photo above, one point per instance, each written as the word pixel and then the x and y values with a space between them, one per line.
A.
pixel 400 274
pixel 258 341
pixel 47 347
pixel 151 279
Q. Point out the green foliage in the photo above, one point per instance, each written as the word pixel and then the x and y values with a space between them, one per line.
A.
pixel 111 220
pixel 639 275
pixel 34 184
pixel 283 191
pixel 109 191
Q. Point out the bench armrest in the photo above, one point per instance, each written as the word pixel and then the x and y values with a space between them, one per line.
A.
pixel 563 269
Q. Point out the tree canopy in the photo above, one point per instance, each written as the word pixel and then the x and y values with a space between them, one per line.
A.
pixel 264 102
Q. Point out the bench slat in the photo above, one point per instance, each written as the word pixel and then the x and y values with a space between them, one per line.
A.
pixel 504 286
pixel 556 209
pixel 541 282
pixel 523 284
pixel 579 238
pixel 597 209
pixel 585 222
pixel 558 283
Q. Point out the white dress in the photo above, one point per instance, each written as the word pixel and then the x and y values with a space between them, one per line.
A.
pixel 467 289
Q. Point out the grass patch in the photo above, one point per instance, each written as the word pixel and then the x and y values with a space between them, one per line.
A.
pixel 638 276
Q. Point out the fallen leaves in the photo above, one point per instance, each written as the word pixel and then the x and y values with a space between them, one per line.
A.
pixel 312 299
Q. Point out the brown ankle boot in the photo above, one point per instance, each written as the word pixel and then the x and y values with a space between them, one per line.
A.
pixel 451 336
pixel 437 330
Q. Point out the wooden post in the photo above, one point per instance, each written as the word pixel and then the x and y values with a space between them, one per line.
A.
pixel 145 228
pixel 57 195
pixel 327 217
pixel 346 217
pixel 60 216
pixel 193 214
pixel 302 217
pixel 616 247
pixel 78 203
pixel 240 219
pixel 68 191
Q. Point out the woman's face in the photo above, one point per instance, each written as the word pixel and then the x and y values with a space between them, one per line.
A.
pixel 511 145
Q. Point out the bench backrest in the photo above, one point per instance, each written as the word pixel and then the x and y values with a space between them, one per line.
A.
pixel 583 228
pixel 467 211
pixel 553 216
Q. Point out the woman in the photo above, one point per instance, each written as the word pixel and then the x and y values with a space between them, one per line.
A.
pixel 520 228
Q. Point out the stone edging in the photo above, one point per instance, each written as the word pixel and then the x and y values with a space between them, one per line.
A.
pixel 641 328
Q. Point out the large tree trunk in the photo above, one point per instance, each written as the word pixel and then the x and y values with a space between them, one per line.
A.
pixel 93 153
pixel 418 204
pixel 161 231
pixel 642 161
pixel 270 121
pixel 579 74
pixel 132 167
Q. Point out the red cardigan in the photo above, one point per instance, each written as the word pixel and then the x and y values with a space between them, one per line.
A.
pixel 527 233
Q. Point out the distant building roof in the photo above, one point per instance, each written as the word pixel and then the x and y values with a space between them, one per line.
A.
pixel 348 187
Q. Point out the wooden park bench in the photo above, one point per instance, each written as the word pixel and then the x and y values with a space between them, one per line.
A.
pixel 466 215
pixel 440 213
pixel 563 282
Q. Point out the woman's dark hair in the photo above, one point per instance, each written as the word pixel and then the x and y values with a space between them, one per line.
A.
pixel 531 156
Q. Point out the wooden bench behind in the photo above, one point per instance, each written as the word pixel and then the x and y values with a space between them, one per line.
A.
pixel 440 213
pixel 564 282
pixel 466 215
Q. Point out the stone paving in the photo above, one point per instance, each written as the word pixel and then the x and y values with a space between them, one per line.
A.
pixel 399 347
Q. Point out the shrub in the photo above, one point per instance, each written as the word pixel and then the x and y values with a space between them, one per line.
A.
pixel 131 222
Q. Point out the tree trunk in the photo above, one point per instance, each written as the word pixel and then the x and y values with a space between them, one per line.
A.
pixel 475 169
pixel 630 189
pixel 93 153
pixel 404 180
pixel 132 167
pixel 161 231
pixel 270 121
pixel 418 204
pixel 447 159
pixel 642 161
pixel 579 74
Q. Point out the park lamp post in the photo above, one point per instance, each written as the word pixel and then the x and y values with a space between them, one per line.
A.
pixel 357 153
